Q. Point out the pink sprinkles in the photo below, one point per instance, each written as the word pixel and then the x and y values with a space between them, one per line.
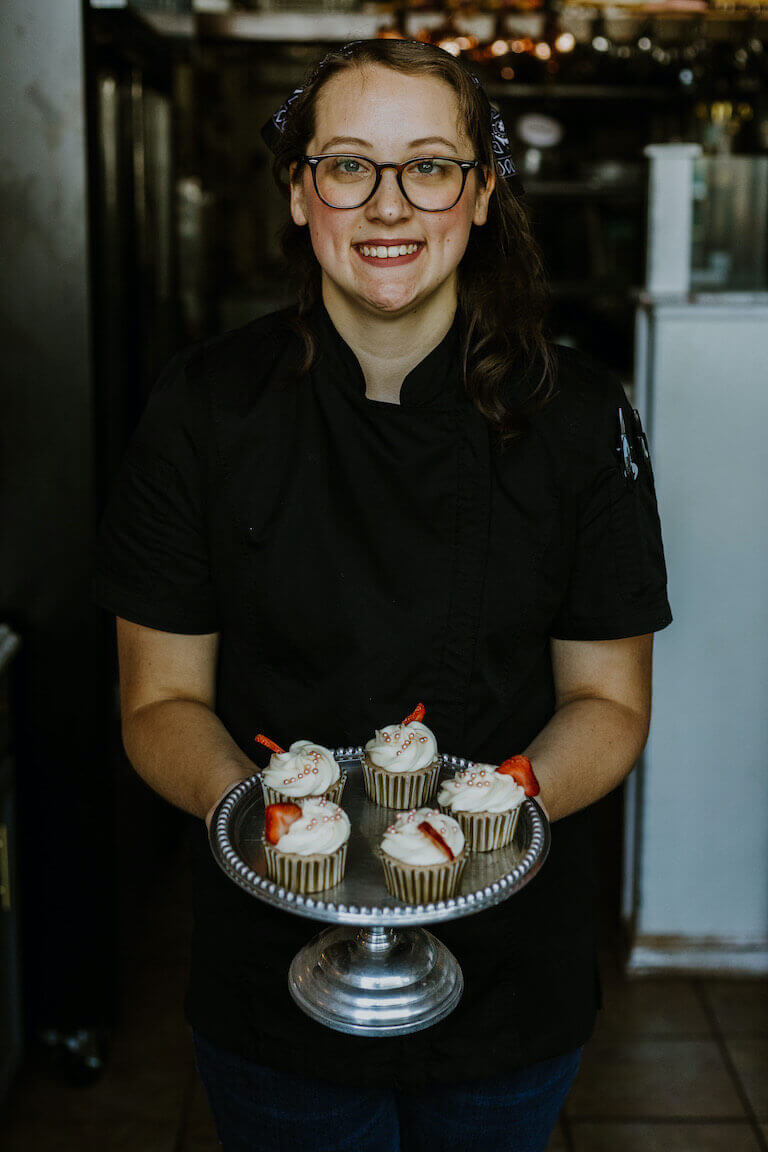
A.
pixel 477 779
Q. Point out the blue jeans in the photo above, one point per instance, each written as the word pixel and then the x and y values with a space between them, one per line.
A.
pixel 258 1109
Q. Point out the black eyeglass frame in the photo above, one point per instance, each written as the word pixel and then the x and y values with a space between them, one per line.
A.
pixel 465 165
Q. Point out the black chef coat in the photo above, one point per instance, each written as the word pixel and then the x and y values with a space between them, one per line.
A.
pixel 358 557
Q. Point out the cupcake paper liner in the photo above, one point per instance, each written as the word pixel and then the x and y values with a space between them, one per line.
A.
pixel 484 831
pixel 422 884
pixel 305 873
pixel 272 796
pixel 400 789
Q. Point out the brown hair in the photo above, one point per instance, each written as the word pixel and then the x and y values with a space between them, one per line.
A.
pixel 502 290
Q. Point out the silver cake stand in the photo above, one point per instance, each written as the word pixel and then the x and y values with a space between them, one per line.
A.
pixel 376 971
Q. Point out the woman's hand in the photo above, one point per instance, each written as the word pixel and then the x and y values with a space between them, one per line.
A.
pixel 599 729
pixel 543 806
pixel 172 735
pixel 212 809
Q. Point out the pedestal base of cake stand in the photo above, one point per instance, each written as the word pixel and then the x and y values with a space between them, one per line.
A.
pixel 376 981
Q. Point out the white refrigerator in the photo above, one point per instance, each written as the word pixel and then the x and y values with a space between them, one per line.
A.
pixel 696 832
pixel 696 875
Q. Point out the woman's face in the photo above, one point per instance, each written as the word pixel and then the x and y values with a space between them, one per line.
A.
pixel 382 114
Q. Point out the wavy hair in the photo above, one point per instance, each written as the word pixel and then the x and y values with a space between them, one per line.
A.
pixel 502 289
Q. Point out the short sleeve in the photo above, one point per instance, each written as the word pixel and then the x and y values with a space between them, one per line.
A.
pixel 617 583
pixel 152 557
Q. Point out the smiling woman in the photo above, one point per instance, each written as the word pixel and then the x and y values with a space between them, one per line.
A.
pixel 372 497
pixel 393 307
pixel 415 131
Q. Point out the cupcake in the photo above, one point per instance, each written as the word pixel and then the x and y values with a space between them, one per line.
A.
pixel 306 769
pixel 486 800
pixel 423 855
pixel 306 844
pixel 401 764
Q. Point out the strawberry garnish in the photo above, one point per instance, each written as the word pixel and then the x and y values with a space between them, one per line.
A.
pixel 417 714
pixel 429 830
pixel 519 768
pixel 278 819
pixel 265 740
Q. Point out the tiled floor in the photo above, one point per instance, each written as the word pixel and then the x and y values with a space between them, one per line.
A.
pixel 675 1066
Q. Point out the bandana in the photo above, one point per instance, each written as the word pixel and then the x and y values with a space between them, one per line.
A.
pixel 273 129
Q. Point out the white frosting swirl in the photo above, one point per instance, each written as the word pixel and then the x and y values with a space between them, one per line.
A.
pixel 322 828
pixel 405 842
pixel 306 769
pixel 402 747
pixel 480 788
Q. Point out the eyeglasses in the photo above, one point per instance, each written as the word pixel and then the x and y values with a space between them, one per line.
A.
pixel 429 183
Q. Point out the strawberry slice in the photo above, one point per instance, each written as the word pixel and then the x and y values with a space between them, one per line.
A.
pixel 519 768
pixel 278 819
pixel 417 714
pixel 434 835
pixel 265 740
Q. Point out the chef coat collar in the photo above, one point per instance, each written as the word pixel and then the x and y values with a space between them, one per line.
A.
pixel 434 382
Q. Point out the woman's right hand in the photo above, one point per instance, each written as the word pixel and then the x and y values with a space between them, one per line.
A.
pixel 171 734
pixel 212 809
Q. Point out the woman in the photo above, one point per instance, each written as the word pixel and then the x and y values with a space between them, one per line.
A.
pixel 394 491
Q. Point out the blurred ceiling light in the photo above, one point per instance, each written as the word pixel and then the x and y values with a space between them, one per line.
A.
pixel 499 48
pixel 566 42
pixel 450 46
pixel 507 73
pixel 600 44
pixel 518 46
pixel 543 50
